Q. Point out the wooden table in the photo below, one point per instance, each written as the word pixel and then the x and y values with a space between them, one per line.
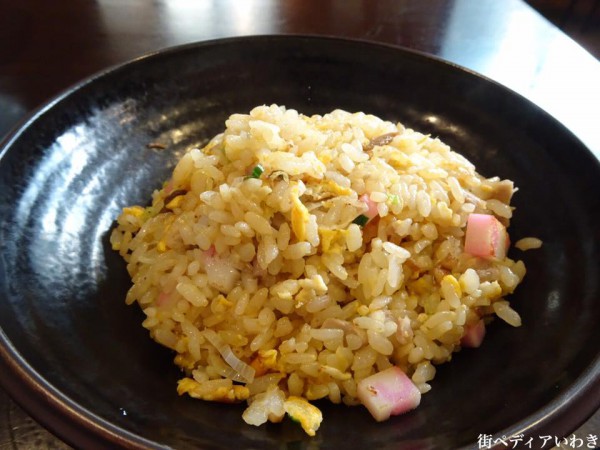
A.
pixel 46 46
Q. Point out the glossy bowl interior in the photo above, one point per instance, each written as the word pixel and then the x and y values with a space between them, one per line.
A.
pixel 75 357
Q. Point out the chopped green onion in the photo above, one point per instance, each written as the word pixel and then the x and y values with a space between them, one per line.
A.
pixel 257 171
pixel 361 220
pixel 394 199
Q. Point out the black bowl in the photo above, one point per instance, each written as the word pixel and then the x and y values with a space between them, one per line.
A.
pixel 77 359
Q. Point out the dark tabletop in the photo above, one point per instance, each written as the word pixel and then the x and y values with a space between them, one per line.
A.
pixel 46 46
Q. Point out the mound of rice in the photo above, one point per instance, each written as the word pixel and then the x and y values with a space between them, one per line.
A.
pixel 252 266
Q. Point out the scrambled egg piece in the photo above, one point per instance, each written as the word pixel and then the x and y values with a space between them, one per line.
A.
pixel 300 215
pixel 136 211
pixel 265 361
pixel 332 186
pixel 453 282
pixel 309 416
pixel 325 157
pixel 175 203
pixel 303 297
pixel 332 241
pixel 185 361
pixel 162 244
pixel 421 285
pixel 230 394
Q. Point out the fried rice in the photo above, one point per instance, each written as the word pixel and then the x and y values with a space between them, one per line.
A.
pixel 293 257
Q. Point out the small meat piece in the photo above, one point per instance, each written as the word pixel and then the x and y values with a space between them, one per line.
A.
pixel 473 335
pixel 384 139
pixel 503 191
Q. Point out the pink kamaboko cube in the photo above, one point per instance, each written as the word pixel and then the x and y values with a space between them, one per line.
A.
pixel 486 237
pixel 388 393
pixel 371 206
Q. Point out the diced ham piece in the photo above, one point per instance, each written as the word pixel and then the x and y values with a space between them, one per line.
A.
pixel 486 237
pixel 371 205
pixel 473 335
pixel 388 393
pixel 503 191
pixel 163 299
